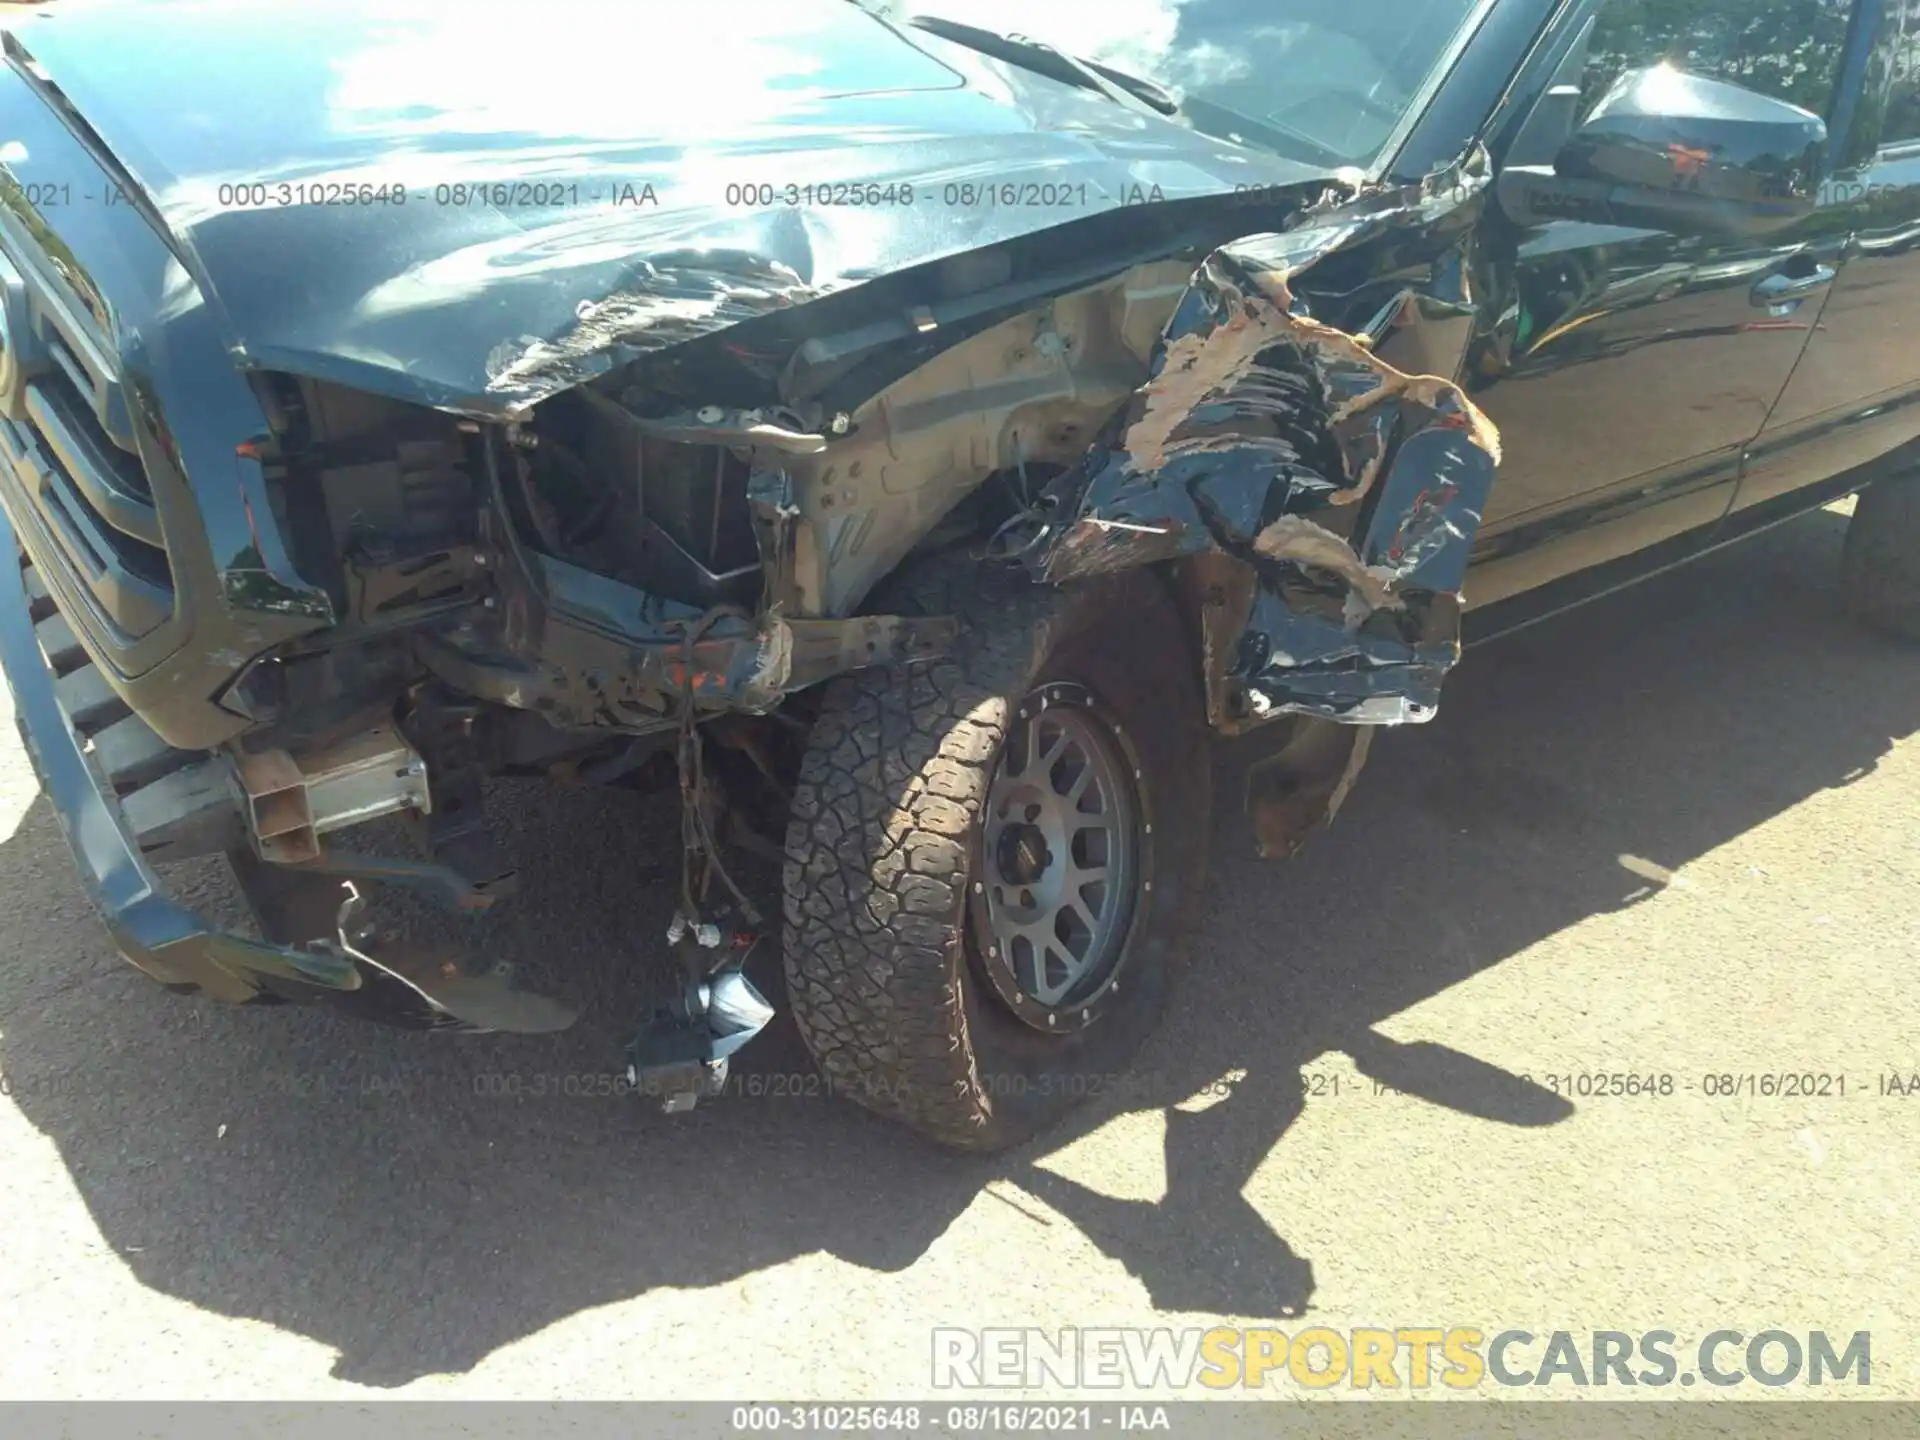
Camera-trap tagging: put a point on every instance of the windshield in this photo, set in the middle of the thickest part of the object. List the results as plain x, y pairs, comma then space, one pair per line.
1324, 81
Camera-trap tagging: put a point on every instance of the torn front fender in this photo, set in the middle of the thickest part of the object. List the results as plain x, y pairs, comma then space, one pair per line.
1323, 502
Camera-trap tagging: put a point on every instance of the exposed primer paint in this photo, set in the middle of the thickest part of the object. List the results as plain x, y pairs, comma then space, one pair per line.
1198, 369
1296, 538
1350, 490
674, 300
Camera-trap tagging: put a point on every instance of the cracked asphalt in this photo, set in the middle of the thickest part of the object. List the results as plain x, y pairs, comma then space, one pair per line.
1672, 835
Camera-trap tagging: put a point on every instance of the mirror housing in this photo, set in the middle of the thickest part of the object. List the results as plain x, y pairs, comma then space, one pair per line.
1666, 150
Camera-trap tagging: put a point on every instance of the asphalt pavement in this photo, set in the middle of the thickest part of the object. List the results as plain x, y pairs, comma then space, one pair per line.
1672, 835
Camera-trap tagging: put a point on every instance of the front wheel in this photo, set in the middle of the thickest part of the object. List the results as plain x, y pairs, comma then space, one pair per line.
993, 860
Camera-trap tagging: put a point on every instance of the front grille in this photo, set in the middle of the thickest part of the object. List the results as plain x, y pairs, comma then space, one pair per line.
69, 443
175, 803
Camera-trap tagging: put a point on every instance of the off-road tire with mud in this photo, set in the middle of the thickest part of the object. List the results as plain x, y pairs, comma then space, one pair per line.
1880, 563
883, 962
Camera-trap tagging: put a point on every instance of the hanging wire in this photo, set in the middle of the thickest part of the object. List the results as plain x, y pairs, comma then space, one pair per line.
697, 842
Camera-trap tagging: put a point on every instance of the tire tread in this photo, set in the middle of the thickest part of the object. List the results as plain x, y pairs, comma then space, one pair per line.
877, 860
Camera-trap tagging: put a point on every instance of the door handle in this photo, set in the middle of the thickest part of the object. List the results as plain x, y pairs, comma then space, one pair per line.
1778, 289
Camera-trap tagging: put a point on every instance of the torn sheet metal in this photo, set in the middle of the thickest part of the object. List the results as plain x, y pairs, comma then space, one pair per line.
1341, 495
1297, 791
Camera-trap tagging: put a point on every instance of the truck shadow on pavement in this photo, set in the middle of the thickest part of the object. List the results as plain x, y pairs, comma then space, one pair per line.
417, 1202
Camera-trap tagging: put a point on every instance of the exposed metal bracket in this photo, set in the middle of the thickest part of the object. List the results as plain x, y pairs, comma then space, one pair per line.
293, 800
437, 881
449, 995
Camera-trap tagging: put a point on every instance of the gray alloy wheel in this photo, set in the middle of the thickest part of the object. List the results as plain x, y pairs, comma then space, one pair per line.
1063, 854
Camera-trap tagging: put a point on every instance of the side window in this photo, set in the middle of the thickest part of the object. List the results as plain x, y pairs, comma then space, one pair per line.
1785, 49
1890, 107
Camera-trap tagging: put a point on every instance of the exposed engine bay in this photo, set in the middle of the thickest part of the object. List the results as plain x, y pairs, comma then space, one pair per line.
558, 591
644, 578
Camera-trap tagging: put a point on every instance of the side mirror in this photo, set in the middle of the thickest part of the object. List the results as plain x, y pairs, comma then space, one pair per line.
1666, 150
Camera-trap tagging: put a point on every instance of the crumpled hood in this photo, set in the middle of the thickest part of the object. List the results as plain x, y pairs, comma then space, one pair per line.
634, 175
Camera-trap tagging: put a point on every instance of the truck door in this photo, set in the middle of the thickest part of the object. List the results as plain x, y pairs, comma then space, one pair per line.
1629, 369
1856, 394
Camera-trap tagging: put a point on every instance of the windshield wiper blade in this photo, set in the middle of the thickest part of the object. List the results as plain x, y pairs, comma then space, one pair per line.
1132, 91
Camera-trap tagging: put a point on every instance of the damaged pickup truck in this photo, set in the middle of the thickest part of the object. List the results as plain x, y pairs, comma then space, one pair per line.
915, 433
